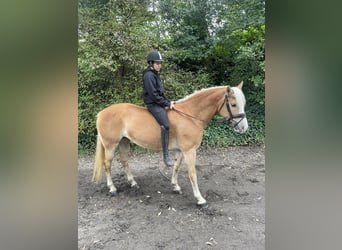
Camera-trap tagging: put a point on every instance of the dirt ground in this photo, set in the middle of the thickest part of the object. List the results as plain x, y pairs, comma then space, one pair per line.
232, 180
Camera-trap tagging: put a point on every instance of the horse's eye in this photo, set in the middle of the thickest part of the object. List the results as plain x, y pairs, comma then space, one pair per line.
233, 105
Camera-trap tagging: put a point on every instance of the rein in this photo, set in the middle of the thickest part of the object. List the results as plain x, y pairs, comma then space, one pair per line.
229, 120
185, 114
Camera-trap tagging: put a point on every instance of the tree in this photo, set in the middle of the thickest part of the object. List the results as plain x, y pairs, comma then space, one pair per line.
114, 37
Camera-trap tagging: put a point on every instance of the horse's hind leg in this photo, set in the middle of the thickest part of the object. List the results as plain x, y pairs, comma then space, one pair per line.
124, 148
109, 155
174, 180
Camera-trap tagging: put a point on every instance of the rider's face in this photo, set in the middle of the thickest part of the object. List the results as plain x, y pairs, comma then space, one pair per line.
157, 66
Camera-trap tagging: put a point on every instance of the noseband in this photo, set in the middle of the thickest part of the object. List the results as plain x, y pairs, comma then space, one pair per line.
231, 117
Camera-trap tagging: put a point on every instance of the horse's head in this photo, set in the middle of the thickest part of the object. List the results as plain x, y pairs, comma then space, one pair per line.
234, 108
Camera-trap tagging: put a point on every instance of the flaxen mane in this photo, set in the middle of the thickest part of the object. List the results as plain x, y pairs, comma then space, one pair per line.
199, 93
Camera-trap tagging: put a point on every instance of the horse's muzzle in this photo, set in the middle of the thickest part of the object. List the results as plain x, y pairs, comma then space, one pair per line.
239, 126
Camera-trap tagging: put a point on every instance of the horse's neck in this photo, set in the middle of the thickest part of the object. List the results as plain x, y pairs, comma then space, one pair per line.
204, 106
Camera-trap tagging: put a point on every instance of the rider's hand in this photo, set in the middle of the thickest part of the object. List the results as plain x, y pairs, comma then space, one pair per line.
172, 106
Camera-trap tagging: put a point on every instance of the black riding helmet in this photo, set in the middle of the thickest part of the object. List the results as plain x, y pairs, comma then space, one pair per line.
154, 56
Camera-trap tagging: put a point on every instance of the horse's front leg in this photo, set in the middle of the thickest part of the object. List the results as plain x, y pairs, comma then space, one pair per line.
190, 161
174, 180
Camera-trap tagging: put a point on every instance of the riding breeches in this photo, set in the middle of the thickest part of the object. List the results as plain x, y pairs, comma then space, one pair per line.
160, 115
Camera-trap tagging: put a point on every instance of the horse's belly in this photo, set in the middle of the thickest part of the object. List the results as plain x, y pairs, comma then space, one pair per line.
145, 137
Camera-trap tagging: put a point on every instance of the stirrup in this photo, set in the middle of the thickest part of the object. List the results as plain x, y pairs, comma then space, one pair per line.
168, 162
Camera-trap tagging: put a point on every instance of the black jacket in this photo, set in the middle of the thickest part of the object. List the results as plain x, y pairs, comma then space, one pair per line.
153, 90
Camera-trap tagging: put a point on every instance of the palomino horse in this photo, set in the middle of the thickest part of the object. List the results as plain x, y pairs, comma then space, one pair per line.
120, 123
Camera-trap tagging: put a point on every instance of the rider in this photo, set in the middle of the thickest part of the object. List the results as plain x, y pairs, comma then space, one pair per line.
155, 99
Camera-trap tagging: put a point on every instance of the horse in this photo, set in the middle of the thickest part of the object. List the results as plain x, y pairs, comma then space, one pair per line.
121, 123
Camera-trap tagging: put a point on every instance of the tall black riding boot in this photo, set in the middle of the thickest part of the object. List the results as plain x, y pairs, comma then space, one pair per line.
165, 144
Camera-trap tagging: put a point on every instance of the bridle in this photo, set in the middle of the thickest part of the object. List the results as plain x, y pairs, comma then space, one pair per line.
231, 117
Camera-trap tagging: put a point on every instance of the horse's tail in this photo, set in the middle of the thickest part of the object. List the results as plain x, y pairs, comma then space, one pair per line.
99, 160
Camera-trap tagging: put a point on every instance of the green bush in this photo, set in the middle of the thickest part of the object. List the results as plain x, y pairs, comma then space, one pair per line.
219, 133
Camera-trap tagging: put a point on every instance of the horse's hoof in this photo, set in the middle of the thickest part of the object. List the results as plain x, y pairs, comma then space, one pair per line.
113, 193
178, 191
203, 205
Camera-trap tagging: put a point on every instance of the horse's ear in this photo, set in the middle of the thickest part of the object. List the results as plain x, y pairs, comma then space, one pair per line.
229, 90
240, 85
